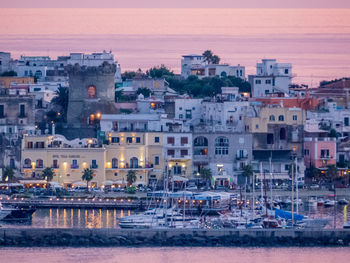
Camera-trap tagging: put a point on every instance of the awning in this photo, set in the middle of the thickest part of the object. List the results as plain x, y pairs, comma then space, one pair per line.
109, 182
79, 183
32, 181
11, 184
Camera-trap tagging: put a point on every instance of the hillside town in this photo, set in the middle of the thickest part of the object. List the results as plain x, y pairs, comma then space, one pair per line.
211, 125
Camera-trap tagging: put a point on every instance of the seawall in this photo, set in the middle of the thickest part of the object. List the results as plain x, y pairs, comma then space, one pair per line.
172, 237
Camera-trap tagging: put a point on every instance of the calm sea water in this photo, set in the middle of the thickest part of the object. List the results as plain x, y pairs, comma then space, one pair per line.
174, 255
316, 41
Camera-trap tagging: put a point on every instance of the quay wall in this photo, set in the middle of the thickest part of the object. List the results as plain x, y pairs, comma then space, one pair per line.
171, 237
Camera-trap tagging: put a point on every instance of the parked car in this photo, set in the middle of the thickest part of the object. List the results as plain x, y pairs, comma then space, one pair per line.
314, 187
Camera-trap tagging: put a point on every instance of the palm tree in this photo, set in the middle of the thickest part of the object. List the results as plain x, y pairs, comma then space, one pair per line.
210, 57
8, 175
87, 176
206, 174
48, 174
131, 177
61, 99
247, 173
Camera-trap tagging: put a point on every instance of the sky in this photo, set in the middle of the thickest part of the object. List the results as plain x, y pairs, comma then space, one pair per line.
176, 3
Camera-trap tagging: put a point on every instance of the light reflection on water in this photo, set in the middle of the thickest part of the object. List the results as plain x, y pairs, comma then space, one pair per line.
108, 218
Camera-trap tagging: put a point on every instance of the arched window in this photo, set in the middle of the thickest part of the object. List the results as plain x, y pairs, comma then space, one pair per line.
134, 162
39, 163
114, 163
221, 146
283, 134
27, 163
272, 117
91, 92
200, 141
281, 118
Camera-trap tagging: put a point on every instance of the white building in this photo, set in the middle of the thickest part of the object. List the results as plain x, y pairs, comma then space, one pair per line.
188, 110
195, 65
271, 77
5, 59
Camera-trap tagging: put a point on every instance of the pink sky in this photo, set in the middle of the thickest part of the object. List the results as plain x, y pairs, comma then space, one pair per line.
179, 3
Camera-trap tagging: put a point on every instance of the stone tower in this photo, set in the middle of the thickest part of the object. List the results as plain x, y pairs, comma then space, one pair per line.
91, 92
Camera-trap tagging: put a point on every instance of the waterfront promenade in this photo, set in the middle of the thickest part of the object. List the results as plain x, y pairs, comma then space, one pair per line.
78, 237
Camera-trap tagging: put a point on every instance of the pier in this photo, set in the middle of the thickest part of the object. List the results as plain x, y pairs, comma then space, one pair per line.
77, 237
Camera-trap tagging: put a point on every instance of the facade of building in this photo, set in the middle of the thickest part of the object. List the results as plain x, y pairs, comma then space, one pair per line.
5, 59
271, 77
7, 82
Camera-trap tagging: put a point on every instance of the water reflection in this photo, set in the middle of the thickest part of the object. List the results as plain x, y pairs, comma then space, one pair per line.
63, 218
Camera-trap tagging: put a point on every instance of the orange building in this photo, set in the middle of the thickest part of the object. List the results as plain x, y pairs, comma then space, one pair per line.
6, 82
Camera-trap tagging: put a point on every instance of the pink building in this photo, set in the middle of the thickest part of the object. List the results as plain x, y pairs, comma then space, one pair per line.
320, 152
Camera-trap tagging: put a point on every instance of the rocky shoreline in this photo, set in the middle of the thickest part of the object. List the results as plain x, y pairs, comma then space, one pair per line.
51, 237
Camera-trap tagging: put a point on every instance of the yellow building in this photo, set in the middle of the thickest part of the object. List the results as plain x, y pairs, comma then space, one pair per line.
141, 152
7, 81
275, 115
67, 159
137, 151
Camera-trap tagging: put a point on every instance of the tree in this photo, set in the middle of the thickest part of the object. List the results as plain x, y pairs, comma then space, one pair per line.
312, 172
210, 58
159, 72
8, 175
206, 174
331, 174
131, 177
10, 73
48, 174
87, 176
247, 173
144, 91
332, 133
61, 100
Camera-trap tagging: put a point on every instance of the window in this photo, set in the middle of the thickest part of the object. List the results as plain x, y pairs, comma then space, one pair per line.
180, 108
94, 164
269, 139
12, 163
91, 92
281, 118
283, 134
272, 117
267, 91
346, 121
27, 163
286, 167
258, 81
286, 71
74, 164
114, 163
221, 146
188, 114
55, 164
115, 174
324, 153
156, 139
184, 153
184, 140
39, 163
156, 160
138, 140
257, 126
295, 117
306, 152
29, 145
39, 145
171, 140
115, 140
177, 169
181, 116
134, 162
22, 111
200, 141
171, 153
268, 81
2, 111
129, 139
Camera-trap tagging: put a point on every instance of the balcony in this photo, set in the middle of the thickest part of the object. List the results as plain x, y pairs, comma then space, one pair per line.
55, 166
179, 157
74, 166
27, 166
241, 157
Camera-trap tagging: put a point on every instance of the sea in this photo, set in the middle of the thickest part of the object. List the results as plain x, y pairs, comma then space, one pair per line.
316, 41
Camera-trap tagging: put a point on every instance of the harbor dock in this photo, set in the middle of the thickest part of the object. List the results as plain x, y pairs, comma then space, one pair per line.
77, 237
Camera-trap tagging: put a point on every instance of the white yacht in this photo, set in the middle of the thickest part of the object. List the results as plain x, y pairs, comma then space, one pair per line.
4, 212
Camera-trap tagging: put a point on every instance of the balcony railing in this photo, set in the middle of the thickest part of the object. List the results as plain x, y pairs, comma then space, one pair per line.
27, 166
241, 157
93, 166
55, 166
74, 166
